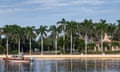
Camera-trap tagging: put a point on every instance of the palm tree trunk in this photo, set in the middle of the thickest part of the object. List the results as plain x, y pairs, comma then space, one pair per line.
56, 45
85, 43
64, 39
7, 46
19, 47
30, 46
102, 44
71, 43
41, 44
64, 43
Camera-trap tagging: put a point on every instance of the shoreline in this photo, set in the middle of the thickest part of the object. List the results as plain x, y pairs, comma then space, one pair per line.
82, 56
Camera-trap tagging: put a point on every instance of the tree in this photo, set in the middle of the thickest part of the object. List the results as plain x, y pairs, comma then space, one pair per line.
62, 25
6, 31
117, 32
16, 35
42, 32
87, 29
1, 47
71, 29
28, 32
101, 29
55, 30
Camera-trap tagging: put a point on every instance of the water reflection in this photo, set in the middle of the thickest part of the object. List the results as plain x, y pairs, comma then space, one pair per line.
16, 67
56, 66
70, 65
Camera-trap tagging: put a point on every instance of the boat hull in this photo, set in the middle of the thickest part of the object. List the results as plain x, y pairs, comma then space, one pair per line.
16, 60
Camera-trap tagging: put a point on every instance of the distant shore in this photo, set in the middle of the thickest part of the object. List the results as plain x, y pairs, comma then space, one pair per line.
99, 56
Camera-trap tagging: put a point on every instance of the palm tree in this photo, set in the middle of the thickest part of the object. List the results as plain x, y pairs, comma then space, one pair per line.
111, 29
30, 36
12, 33
63, 28
1, 37
101, 28
71, 27
55, 30
87, 27
7, 32
17, 35
42, 32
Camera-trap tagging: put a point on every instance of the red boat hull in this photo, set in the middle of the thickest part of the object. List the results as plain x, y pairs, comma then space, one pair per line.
16, 59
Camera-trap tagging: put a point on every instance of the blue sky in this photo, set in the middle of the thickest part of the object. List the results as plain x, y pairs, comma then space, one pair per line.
48, 12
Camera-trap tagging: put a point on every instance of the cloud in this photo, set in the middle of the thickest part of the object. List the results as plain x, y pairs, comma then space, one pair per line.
41, 1
86, 11
10, 10
90, 2
46, 3
31, 5
49, 4
64, 2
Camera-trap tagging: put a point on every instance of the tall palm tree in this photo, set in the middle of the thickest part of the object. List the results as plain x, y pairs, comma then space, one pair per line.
16, 34
30, 36
7, 32
87, 27
71, 27
101, 28
1, 37
42, 32
55, 30
62, 25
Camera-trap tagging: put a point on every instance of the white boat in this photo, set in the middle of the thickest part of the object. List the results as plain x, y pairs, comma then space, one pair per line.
16, 59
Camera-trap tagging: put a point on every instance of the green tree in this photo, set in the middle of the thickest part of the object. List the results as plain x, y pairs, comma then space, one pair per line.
71, 29
15, 32
62, 25
101, 29
55, 31
7, 32
117, 32
87, 29
28, 33
42, 32
1, 47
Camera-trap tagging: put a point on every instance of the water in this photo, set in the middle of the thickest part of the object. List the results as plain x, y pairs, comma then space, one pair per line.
70, 65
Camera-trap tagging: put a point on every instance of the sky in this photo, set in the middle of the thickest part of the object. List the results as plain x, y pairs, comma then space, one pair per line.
48, 12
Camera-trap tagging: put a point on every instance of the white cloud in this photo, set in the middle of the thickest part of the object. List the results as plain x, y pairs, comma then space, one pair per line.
43, 8
48, 4
41, 1
91, 2
64, 3
85, 11
9, 10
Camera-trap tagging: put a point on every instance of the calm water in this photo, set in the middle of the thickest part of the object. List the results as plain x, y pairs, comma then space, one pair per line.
62, 66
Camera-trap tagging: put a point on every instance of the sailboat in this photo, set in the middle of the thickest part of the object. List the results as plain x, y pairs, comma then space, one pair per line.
15, 58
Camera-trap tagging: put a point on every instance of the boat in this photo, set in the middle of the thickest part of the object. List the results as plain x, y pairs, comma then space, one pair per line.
16, 59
